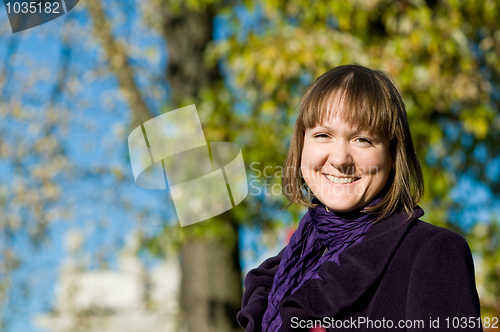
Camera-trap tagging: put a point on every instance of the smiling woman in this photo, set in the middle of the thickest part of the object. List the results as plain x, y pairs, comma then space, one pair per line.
344, 167
360, 255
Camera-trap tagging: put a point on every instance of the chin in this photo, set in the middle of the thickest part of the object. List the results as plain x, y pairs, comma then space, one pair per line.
342, 206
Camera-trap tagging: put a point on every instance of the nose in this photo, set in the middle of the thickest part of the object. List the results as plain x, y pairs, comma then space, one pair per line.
340, 157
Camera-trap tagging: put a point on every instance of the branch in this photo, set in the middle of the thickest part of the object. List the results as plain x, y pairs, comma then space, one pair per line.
118, 63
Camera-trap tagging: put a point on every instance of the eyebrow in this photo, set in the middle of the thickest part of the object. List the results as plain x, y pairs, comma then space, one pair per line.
372, 135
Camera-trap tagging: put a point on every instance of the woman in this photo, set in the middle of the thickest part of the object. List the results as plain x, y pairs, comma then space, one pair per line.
361, 259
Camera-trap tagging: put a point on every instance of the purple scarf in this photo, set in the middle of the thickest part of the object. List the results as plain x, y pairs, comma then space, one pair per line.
319, 229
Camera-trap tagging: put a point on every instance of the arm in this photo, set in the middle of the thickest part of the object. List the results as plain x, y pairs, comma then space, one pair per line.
258, 283
442, 282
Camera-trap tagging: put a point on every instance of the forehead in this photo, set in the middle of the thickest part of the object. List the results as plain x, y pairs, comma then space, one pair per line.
343, 108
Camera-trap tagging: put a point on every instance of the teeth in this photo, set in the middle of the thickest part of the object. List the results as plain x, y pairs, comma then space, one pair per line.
335, 179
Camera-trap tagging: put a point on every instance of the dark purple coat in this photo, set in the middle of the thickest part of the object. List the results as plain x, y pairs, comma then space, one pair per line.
402, 270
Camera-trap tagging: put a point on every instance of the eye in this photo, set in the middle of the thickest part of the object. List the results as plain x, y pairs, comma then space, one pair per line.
363, 140
320, 136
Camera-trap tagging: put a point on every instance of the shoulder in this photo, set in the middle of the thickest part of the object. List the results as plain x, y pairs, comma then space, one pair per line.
441, 279
438, 251
437, 239
426, 247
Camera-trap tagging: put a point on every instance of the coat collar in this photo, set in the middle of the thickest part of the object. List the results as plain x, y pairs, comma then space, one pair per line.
361, 267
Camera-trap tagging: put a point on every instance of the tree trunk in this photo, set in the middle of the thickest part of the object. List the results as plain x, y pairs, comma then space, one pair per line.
211, 285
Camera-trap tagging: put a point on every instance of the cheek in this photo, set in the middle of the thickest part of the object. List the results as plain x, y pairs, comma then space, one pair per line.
311, 162
307, 169
307, 158
372, 164
310, 158
384, 168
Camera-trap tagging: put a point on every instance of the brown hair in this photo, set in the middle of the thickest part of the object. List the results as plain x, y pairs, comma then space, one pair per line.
370, 100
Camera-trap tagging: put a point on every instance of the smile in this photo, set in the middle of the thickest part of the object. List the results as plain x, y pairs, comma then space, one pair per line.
340, 180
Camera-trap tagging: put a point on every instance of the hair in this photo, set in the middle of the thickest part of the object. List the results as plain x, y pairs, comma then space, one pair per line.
370, 100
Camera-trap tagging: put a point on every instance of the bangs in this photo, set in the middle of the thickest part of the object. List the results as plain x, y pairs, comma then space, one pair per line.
356, 98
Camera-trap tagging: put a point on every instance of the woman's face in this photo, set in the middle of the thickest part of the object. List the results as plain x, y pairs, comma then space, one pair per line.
344, 167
